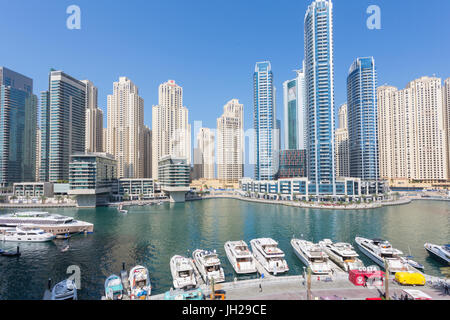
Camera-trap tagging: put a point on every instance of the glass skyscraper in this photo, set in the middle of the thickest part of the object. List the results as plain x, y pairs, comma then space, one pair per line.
64, 116
18, 122
319, 81
265, 123
363, 119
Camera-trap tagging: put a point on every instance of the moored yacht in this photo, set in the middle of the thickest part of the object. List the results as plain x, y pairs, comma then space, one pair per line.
114, 288
208, 264
26, 235
343, 254
65, 290
183, 273
381, 250
268, 254
140, 286
240, 257
312, 255
441, 252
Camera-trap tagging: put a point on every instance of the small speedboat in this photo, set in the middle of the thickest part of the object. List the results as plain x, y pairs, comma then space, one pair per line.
413, 263
440, 252
65, 249
114, 288
65, 290
140, 286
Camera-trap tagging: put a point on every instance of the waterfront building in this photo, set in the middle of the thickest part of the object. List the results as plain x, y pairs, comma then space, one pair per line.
94, 119
33, 190
413, 139
63, 125
293, 164
341, 145
294, 113
319, 83
265, 123
91, 177
126, 128
230, 142
363, 119
105, 139
171, 129
136, 189
204, 159
147, 152
174, 177
18, 122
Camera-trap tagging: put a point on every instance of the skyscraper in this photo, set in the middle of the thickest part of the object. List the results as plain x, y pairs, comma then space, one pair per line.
171, 129
341, 145
94, 119
446, 90
206, 160
38, 155
147, 152
230, 142
264, 117
18, 121
63, 125
294, 113
363, 119
319, 82
126, 128
413, 139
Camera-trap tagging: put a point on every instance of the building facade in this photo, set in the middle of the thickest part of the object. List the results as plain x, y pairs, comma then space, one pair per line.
265, 123
230, 142
18, 122
293, 164
91, 177
174, 177
341, 145
126, 128
294, 113
204, 163
147, 152
412, 135
94, 119
447, 118
64, 127
319, 82
363, 119
170, 125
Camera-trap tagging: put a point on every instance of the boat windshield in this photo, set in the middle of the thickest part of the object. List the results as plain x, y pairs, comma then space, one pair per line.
212, 268
241, 260
140, 284
184, 274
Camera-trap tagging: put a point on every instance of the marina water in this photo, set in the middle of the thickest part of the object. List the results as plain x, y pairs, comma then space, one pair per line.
151, 235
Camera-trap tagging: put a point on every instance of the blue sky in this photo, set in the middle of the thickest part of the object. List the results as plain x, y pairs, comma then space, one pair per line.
210, 47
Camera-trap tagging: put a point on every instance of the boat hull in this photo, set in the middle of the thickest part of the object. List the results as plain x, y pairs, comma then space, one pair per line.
436, 255
233, 263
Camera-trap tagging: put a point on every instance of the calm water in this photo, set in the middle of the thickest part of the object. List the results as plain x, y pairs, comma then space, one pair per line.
152, 235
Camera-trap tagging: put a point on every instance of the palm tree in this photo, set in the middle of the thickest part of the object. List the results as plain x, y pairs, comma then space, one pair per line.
141, 195
14, 197
58, 198
43, 198
126, 196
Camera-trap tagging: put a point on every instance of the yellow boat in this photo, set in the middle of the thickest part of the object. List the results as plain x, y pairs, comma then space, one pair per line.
410, 278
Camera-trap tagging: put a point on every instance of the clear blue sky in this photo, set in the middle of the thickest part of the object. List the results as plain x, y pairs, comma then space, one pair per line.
210, 47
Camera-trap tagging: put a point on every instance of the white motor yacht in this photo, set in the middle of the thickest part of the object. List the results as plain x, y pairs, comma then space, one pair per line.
26, 235
183, 274
240, 257
343, 254
312, 255
65, 290
208, 264
441, 252
268, 254
381, 250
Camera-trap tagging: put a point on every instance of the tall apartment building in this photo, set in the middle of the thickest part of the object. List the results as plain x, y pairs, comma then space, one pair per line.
294, 113
126, 128
412, 131
319, 82
38, 155
147, 152
230, 142
18, 121
94, 119
63, 125
341, 145
204, 164
363, 119
265, 123
170, 125
447, 109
